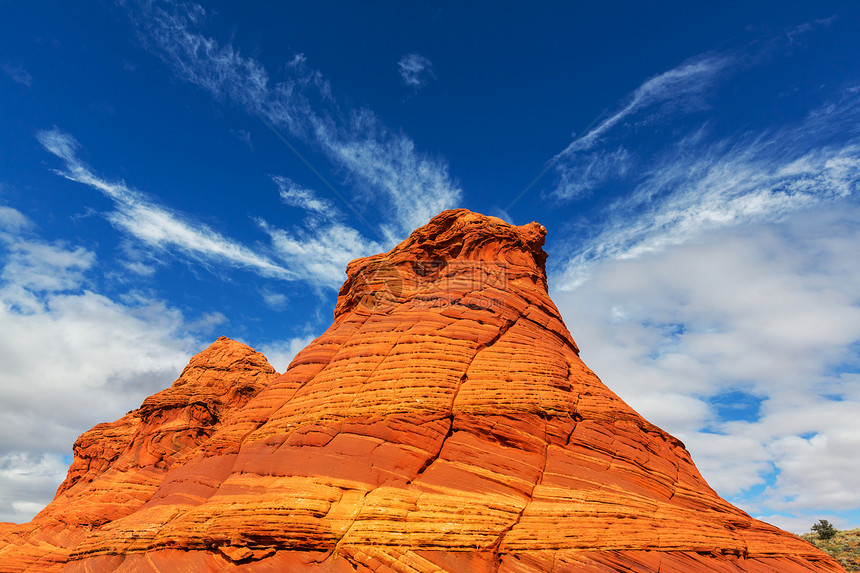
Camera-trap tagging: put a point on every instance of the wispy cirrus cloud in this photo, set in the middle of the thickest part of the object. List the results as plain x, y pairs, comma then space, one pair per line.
295, 195
700, 183
589, 161
323, 245
417, 187
415, 70
316, 251
408, 187
11, 220
18, 74
678, 87
154, 225
321, 249
608, 153
700, 175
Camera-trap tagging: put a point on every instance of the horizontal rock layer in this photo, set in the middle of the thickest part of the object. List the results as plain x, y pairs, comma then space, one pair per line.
444, 422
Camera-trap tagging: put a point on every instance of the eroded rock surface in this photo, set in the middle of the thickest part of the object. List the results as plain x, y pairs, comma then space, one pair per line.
444, 422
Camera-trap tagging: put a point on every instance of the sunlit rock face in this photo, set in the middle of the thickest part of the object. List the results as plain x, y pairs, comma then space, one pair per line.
444, 422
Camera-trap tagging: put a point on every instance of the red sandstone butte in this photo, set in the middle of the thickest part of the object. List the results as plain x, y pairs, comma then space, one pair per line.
444, 422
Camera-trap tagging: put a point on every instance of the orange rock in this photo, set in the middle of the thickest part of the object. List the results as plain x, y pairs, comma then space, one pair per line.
118, 466
444, 422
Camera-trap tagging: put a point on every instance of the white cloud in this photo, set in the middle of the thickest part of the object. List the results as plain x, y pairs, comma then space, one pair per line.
152, 224
415, 70
699, 184
139, 268
11, 220
680, 87
207, 324
39, 267
821, 471
317, 252
407, 186
281, 353
274, 300
27, 483
320, 251
61, 345
768, 310
295, 195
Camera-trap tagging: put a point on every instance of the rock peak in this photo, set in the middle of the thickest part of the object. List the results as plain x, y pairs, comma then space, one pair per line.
460, 233
217, 382
456, 244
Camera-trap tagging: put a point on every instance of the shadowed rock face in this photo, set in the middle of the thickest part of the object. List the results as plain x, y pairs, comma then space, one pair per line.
444, 422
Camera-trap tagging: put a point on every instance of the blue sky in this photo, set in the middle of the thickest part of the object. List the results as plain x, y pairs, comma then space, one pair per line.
171, 173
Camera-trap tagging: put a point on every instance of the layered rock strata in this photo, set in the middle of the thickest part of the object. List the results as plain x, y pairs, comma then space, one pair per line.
444, 422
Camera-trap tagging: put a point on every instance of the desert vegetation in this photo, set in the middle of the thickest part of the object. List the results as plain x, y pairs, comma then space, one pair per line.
844, 546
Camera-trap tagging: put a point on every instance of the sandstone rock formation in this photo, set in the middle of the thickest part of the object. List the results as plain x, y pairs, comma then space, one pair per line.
444, 422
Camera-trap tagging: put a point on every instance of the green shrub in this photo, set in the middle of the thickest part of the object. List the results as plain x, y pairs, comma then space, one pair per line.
824, 529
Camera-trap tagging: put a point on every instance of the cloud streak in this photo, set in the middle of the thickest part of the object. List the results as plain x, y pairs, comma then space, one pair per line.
607, 153
295, 195
673, 88
408, 186
699, 183
316, 251
320, 250
152, 224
